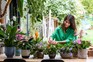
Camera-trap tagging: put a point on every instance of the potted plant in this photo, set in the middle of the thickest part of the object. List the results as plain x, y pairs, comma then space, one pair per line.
25, 48
82, 46
9, 36
38, 46
19, 38
51, 50
38, 50
67, 50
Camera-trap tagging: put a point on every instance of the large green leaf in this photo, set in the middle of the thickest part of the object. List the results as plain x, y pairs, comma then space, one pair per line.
2, 34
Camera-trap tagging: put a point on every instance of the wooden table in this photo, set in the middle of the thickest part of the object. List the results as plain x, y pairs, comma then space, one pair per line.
89, 59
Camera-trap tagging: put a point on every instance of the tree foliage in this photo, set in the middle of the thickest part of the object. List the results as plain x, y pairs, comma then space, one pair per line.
60, 8
88, 5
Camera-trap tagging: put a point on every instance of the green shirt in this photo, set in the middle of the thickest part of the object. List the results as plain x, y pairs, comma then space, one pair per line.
60, 35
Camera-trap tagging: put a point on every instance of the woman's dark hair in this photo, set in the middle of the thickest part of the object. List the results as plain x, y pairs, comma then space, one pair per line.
71, 19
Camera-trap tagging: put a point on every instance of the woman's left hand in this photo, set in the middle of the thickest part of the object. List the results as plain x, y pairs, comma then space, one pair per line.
50, 41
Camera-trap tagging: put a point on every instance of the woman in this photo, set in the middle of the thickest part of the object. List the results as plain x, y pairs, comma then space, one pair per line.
65, 32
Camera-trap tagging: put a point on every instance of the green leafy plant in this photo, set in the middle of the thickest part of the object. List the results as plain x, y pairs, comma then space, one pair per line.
37, 45
25, 45
19, 38
51, 48
8, 35
70, 47
82, 44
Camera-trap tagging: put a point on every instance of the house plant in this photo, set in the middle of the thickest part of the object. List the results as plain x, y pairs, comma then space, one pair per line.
68, 50
82, 46
19, 38
38, 50
25, 46
51, 50
9, 36
38, 46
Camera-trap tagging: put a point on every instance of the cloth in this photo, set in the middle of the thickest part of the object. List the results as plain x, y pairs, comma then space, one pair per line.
60, 35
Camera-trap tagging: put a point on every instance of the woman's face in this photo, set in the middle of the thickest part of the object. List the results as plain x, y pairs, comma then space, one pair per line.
66, 23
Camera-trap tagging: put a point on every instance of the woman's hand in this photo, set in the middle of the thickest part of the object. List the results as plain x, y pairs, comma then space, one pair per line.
50, 41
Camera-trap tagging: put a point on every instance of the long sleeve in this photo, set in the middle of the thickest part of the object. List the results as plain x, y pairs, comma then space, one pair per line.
60, 35
55, 35
71, 37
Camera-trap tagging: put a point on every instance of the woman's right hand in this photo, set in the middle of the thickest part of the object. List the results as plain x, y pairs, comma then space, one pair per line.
50, 41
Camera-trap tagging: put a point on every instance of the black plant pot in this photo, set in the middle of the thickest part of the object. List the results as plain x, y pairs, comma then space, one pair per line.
25, 56
39, 54
9, 52
52, 55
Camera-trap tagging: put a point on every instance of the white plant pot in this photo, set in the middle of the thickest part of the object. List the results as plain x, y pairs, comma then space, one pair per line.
25, 53
82, 53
